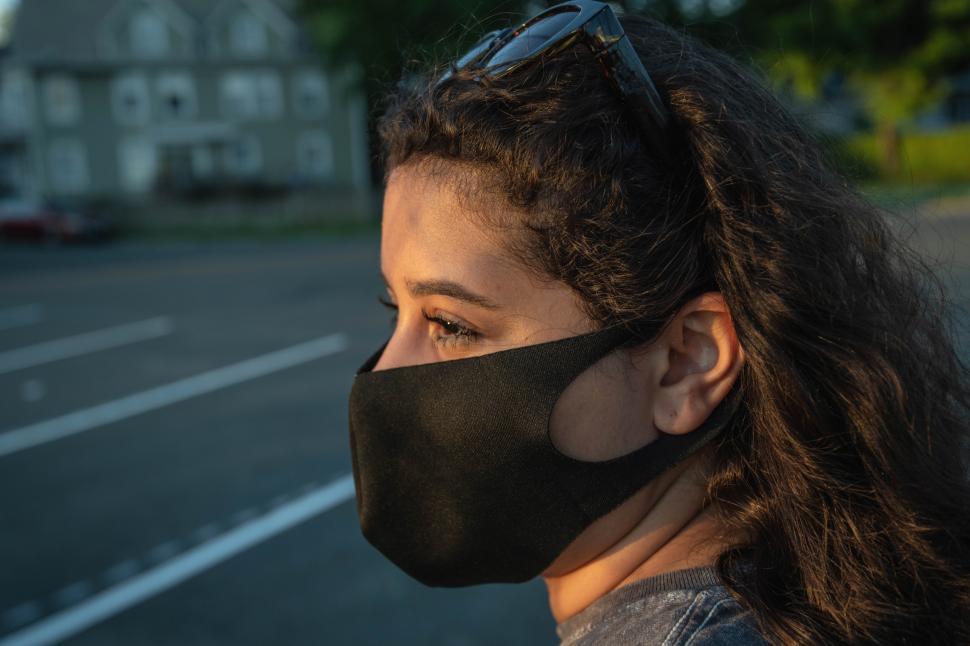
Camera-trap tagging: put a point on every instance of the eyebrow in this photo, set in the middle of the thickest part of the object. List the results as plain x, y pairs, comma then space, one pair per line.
447, 288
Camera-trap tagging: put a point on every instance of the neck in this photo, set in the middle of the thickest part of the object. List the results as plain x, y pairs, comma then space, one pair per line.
675, 533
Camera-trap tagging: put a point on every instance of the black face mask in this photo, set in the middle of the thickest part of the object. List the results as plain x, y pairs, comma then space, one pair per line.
457, 479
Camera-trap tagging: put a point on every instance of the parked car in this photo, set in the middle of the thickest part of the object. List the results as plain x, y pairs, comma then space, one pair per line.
24, 219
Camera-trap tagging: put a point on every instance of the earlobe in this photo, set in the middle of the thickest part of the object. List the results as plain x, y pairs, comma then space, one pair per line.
703, 359
680, 408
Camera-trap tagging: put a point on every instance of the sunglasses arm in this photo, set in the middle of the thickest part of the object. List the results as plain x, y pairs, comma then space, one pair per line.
626, 71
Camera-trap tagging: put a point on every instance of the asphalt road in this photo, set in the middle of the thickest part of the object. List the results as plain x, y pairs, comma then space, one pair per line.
182, 479
205, 498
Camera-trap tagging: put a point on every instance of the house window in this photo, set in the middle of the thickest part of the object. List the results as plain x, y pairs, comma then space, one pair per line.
247, 35
176, 94
17, 91
130, 100
310, 94
137, 164
62, 99
314, 154
239, 96
269, 94
252, 95
149, 35
243, 157
68, 166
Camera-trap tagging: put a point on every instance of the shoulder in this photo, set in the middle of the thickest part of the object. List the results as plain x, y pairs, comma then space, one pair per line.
707, 616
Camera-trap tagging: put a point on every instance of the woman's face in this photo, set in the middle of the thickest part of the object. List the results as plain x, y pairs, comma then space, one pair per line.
458, 293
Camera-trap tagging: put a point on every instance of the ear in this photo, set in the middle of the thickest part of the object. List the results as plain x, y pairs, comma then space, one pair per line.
695, 363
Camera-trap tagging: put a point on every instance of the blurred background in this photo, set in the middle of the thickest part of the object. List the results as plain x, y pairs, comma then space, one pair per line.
189, 231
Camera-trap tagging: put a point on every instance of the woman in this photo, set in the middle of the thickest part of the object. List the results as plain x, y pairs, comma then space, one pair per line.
648, 346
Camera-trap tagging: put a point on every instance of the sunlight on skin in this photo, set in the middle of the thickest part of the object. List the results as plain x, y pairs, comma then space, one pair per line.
458, 294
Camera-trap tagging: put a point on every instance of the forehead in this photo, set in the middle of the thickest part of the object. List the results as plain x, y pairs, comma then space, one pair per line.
426, 226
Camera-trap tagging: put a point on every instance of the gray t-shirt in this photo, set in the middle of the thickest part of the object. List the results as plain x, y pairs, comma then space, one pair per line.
680, 608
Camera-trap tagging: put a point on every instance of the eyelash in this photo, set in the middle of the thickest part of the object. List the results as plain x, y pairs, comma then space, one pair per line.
457, 334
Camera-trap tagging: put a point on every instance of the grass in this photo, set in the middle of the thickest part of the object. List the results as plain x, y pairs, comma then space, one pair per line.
889, 193
940, 157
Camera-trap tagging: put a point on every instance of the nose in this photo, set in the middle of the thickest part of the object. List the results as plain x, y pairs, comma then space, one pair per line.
405, 349
394, 356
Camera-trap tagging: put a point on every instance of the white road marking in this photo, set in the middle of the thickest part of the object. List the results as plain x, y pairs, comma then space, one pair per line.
26, 437
74, 346
12, 317
114, 600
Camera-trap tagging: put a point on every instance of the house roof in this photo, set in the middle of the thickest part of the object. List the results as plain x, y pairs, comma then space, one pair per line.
55, 30
67, 32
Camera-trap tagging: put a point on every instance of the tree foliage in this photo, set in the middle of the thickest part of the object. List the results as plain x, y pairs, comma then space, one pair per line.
895, 55
384, 37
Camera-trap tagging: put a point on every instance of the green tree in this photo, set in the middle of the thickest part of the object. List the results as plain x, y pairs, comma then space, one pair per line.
383, 38
894, 54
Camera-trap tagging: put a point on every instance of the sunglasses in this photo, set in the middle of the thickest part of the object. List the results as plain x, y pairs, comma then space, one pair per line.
593, 24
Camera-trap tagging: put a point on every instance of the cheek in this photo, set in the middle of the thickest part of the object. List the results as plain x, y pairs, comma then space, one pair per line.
605, 413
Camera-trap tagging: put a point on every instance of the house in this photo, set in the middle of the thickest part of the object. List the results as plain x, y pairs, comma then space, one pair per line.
129, 99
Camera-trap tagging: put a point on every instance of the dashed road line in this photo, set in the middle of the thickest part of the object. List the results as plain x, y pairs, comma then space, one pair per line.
20, 316
87, 343
113, 600
26, 437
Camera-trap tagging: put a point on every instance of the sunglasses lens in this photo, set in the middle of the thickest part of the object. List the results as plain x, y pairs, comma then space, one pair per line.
480, 47
533, 37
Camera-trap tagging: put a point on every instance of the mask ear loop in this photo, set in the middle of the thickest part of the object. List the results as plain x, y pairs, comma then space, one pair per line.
609, 340
719, 419
640, 466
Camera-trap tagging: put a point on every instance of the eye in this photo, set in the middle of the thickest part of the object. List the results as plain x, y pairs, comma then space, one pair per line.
455, 334
448, 332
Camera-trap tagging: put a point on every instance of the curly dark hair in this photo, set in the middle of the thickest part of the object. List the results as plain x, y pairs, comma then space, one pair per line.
846, 465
